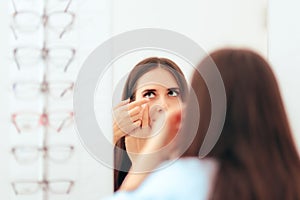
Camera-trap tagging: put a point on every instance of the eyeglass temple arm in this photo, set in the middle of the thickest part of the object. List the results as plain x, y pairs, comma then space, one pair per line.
63, 32
70, 186
67, 89
70, 60
68, 5
13, 31
69, 25
65, 29
15, 123
14, 5
63, 122
16, 59
14, 188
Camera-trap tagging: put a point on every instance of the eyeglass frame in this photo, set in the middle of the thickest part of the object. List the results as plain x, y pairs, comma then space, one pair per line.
42, 185
43, 119
44, 86
44, 52
43, 149
45, 17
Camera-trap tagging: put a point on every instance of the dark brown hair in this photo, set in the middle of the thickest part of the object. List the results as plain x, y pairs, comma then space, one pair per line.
256, 154
121, 160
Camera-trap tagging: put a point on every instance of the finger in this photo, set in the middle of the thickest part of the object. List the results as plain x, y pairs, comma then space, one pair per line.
136, 117
137, 123
172, 125
122, 103
135, 111
145, 116
137, 103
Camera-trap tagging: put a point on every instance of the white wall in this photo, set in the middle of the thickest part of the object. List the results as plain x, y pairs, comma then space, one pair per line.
284, 54
212, 24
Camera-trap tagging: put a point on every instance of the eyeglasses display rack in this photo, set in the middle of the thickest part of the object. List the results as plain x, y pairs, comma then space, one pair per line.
38, 63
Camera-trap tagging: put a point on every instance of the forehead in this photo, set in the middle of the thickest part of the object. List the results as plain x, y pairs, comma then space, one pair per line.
157, 76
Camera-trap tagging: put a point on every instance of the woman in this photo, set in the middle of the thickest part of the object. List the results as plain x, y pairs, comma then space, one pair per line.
255, 156
153, 83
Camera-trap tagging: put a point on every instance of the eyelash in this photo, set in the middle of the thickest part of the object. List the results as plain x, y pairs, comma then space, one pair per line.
148, 94
153, 93
176, 92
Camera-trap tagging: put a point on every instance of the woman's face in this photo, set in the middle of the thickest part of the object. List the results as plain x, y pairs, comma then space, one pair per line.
161, 88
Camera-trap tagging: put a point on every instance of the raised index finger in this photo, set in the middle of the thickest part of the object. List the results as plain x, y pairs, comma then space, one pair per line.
145, 117
137, 103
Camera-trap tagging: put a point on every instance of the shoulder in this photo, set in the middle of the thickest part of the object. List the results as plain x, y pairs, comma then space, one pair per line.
187, 172
186, 167
185, 178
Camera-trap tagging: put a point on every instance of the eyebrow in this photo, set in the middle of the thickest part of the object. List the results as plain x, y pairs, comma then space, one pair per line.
175, 88
148, 90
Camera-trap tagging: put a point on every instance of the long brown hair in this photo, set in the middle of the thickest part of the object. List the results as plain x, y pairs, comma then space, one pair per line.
121, 160
255, 151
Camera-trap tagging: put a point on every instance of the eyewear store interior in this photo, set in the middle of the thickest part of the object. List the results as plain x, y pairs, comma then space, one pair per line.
44, 44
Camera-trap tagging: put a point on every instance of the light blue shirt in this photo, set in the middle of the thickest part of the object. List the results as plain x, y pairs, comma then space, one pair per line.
186, 178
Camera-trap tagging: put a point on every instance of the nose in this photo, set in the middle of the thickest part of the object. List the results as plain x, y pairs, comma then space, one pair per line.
162, 103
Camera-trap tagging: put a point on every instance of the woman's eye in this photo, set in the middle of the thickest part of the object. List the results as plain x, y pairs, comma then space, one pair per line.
149, 95
173, 93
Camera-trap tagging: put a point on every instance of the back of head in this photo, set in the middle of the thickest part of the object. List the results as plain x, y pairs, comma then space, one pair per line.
255, 151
